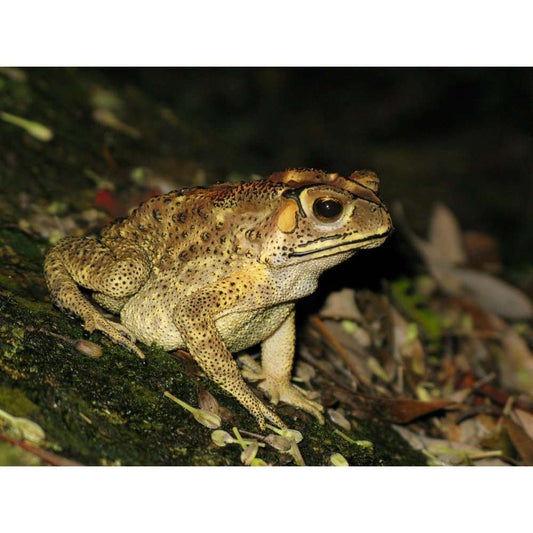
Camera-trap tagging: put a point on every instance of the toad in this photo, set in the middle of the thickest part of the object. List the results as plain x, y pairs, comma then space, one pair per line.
217, 270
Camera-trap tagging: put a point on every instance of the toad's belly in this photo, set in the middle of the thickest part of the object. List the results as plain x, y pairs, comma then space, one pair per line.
152, 323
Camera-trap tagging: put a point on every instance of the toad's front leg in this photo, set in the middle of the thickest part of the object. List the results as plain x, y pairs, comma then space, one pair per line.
277, 354
195, 319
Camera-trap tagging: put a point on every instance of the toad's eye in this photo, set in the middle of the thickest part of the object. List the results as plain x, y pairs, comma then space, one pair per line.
327, 209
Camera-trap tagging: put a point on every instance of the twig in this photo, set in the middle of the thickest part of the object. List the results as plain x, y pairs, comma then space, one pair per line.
308, 358
50, 457
336, 345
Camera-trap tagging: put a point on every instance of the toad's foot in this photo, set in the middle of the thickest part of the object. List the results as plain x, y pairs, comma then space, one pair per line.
262, 413
288, 393
118, 333
281, 390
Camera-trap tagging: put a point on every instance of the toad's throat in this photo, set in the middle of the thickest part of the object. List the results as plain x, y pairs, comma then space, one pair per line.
299, 253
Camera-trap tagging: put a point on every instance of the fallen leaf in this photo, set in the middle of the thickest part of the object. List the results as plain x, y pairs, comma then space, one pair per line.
304, 372
341, 305
443, 452
445, 234
337, 416
208, 402
21, 428
515, 362
494, 294
439, 266
88, 348
475, 431
278, 442
338, 459
526, 421
520, 439
405, 410
248, 455
205, 418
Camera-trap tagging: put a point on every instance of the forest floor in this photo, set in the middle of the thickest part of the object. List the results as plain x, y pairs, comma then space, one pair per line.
433, 366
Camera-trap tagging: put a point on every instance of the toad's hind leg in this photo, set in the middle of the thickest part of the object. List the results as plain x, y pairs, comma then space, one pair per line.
114, 274
114, 305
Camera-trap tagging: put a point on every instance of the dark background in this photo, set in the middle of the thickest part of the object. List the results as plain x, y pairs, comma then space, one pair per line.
462, 136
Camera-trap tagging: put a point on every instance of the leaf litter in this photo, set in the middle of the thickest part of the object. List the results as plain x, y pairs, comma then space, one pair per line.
445, 356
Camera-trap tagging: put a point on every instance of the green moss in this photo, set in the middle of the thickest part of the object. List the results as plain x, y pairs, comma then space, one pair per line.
11, 455
22, 244
16, 402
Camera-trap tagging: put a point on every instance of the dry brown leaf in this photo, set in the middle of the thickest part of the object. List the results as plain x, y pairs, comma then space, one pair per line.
438, 264
208, 402
516, 362
494, 294
337, 416
305, 372
341, 305
441, 268
444, 452
405, 410
491, 293
520, 439
526, 421
473, 431
445, 234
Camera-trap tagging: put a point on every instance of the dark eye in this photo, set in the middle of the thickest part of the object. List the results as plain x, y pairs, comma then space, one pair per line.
327, 209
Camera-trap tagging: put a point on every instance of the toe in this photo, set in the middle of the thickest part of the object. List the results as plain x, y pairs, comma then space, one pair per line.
119, 334
287, 393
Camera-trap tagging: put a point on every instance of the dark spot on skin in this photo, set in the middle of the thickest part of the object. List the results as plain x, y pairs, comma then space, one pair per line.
202, 213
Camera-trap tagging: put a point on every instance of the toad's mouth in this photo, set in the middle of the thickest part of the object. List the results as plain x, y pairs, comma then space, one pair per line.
370, 240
